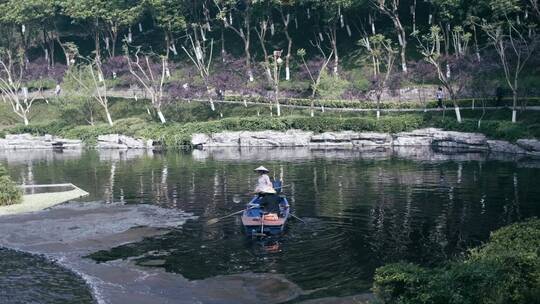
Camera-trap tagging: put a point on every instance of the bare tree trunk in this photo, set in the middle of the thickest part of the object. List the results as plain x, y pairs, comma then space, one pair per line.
403, 44
514, 106
161, 116
286, 21
109, 118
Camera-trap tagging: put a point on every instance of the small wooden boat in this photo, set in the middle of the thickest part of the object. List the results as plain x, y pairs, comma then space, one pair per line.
258, 223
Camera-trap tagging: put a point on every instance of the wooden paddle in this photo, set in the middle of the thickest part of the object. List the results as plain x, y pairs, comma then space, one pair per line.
215, 220
296, 217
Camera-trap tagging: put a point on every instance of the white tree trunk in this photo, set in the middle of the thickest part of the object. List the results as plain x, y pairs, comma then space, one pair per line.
458, 113
25, 120
109, 118
278, 109
514, 115
287, 73
378, 114
161, 117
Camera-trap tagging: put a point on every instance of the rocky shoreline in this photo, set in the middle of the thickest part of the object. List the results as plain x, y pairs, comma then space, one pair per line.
437, 139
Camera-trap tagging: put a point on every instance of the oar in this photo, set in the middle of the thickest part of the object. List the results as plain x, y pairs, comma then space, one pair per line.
215, 220
296, 217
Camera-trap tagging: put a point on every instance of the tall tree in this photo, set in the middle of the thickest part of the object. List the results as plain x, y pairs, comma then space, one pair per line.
382, 54
89, 79
35, 20
119, 15
229, 12
168, 15
391, 9
12, 85
430, 46
513, 40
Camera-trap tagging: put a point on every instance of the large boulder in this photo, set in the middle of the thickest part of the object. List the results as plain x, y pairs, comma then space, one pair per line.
334, 137
291, 138
458, 139
28, 141
502, 146
117, 141
226, 139
368, 139
412, 139
531, 145
199, 139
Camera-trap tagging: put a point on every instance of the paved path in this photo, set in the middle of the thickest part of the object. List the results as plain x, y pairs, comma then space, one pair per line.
138, 94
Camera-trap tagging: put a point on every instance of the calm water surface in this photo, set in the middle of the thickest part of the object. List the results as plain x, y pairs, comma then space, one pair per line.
359, 213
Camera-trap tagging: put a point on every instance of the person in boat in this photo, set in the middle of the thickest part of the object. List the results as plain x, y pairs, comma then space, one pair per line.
263, 182
270, 201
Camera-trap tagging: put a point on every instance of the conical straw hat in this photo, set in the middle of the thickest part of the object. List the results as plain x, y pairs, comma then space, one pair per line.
261, 168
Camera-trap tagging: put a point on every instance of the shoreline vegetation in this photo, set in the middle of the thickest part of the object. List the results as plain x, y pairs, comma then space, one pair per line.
136, 120
506, 269
10, 194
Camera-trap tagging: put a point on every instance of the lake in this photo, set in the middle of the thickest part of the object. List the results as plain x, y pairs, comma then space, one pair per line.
360, 210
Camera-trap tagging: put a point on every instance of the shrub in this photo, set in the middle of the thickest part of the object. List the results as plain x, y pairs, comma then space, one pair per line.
504, 270
9, 193
332, 87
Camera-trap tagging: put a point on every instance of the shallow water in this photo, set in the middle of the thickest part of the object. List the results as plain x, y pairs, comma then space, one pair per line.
361, 210
26, 278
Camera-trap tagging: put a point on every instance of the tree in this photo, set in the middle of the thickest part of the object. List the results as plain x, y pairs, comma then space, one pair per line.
88, 13
120, 14
430, 47
12, 75
36, 21
315, 78
331, 14
513, 41
150, 71
286, 19
244, 10
90, 81
169, 17
200, 53
382, 54
391, 9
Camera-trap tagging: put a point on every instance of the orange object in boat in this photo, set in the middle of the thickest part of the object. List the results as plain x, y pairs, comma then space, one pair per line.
271, 217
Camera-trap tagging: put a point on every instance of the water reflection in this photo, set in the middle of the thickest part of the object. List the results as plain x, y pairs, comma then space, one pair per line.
362, 208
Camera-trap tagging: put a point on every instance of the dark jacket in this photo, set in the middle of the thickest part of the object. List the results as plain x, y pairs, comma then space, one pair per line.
270, 203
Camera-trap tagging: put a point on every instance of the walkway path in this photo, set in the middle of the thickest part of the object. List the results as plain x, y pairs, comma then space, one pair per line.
141, 94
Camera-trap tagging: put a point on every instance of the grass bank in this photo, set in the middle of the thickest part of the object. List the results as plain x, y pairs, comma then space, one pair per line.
504, 270
184, 119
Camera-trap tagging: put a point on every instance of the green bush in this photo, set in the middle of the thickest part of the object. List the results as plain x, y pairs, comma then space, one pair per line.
332, 87
504, 270
9, 193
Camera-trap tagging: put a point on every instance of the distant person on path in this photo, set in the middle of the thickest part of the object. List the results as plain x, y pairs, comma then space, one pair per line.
440, 96
57, 90
499, 94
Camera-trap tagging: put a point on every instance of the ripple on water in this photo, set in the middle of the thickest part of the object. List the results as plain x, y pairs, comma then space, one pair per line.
27, 278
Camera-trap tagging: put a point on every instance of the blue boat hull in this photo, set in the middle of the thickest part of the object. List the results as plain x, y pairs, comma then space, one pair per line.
254, 225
